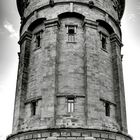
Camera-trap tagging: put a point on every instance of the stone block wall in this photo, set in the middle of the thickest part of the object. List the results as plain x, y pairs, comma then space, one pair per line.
70, 134
109, 6
59, 69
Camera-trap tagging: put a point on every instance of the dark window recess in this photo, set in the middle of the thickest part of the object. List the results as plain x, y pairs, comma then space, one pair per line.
71, 31
104, 43
70, 105
33, 108
107, 109
38, 40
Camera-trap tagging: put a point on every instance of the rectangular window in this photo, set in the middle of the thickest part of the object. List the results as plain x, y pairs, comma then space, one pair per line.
70, 105
107, 109
33, 108
71, 31
103, 37
38, 37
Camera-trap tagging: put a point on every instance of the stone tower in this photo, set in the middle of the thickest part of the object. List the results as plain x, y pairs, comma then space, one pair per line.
70, 80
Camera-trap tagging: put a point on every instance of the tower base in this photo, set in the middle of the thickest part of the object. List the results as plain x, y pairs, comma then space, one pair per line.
69, 134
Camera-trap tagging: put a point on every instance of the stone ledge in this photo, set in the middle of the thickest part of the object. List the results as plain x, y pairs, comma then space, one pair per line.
69, 134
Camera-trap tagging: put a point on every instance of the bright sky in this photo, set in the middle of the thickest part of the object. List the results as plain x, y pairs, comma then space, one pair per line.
9, 27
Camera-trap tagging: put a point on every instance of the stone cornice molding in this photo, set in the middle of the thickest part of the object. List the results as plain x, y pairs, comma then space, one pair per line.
114, 38
26, 35
90, 24
33, 99
51, 23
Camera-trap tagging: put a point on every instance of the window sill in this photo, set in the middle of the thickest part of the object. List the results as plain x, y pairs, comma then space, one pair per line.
37, 48
71, 42
104, 50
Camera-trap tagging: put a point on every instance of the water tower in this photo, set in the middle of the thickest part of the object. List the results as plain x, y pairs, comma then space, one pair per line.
70, 80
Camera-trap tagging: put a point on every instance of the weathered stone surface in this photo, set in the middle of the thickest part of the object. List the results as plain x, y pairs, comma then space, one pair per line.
70, 69
45, 134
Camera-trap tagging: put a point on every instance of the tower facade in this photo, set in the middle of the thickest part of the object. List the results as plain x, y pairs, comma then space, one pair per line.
70, 80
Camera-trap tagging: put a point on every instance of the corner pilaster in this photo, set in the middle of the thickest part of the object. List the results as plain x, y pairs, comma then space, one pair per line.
118, 82
90, 33
52, 27
22, 80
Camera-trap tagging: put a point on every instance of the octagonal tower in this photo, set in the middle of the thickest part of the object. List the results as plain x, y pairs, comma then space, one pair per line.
70, 80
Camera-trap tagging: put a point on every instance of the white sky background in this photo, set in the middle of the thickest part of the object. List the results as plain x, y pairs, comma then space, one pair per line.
9, 27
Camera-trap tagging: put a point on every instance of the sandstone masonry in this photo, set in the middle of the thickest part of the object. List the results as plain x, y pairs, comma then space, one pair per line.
70, 80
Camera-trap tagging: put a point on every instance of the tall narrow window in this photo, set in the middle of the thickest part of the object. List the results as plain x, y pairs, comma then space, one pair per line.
70, 105
104, 37
104, 42
107, 109
38, 38
71, 31
33, 108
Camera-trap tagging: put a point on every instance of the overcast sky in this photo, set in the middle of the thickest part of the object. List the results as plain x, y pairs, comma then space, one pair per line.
9, 28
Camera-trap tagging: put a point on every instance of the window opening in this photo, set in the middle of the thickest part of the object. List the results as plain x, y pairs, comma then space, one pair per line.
70, 105
104, 42
38, 40
33, 108
107, 109
71, 31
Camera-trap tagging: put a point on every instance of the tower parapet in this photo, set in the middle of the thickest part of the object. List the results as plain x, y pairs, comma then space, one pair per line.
70, 81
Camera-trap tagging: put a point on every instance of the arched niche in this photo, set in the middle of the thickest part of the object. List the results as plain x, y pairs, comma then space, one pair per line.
71, 14
106, 26
70, 24
36, 23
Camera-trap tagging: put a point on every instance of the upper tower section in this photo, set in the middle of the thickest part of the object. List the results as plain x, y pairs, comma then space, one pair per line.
52, 8
109, 6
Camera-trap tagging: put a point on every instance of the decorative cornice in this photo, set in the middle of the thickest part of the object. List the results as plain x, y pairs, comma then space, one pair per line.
33, 99
114, 38
26, 35
90, 23
51, 23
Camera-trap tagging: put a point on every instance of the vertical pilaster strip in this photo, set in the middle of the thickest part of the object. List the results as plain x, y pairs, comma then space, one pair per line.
54, 24
56, 72
90, 28
118, 82
85, 75
21, 87
71, 7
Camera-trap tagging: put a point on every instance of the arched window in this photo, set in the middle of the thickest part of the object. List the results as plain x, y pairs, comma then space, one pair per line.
105, 30
36, 29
